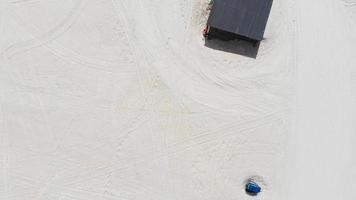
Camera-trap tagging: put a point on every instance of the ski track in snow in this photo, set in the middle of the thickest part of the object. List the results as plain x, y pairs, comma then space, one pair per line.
120, 99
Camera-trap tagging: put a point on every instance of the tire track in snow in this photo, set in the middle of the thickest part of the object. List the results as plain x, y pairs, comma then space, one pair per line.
184, 70
50, 35
147, 95
183, 146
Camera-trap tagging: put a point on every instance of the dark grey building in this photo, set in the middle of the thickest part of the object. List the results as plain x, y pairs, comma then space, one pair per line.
244, 18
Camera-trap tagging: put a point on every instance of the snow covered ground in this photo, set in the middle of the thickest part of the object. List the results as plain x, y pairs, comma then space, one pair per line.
122, 99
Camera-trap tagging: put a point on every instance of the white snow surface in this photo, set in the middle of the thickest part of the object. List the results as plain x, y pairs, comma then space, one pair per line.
121, 99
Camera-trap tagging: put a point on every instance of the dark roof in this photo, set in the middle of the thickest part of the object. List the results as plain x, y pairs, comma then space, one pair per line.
247, 18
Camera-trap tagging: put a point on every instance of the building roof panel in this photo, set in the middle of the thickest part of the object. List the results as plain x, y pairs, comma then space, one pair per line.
247, 18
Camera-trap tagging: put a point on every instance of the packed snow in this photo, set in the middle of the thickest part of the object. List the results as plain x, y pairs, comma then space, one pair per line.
124, 99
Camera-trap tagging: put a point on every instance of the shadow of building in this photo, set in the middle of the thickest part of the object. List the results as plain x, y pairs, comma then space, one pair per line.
232, 43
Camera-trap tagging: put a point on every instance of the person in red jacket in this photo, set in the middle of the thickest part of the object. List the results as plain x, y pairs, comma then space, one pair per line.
206, 32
